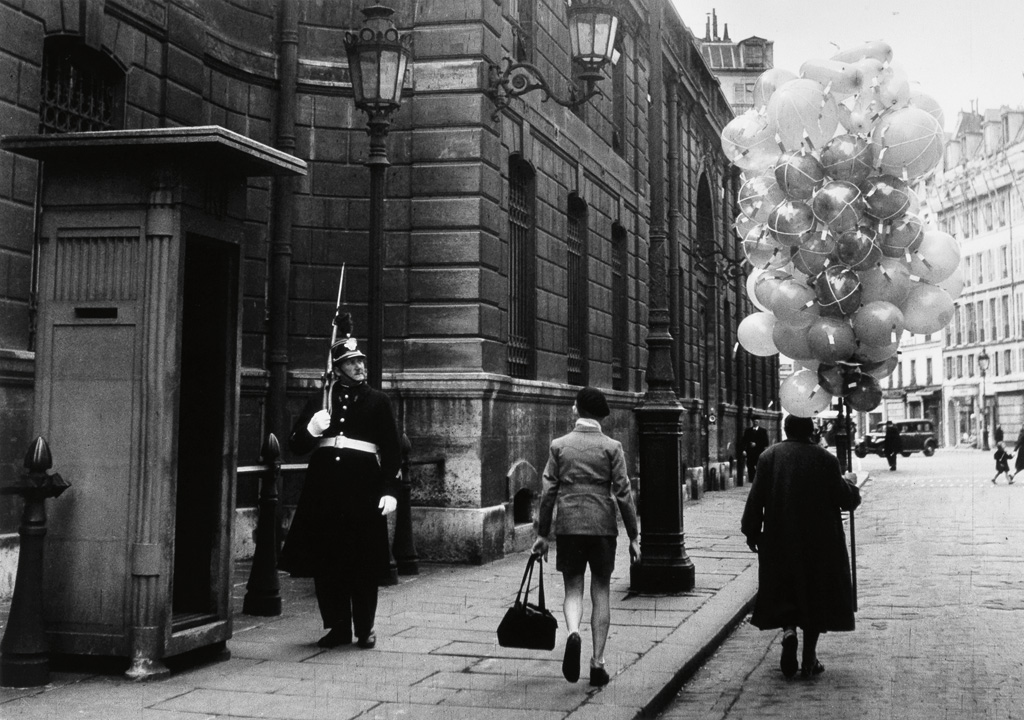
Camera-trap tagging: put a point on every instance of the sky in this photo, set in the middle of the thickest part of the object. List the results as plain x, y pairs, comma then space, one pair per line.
963, 53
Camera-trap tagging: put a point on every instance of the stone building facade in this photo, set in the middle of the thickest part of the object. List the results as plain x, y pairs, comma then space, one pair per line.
517, 245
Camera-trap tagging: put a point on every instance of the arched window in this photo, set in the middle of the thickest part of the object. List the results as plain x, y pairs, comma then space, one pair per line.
82, 89
521, 269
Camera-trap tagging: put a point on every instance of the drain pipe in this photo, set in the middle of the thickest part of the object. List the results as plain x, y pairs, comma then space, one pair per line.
282, 191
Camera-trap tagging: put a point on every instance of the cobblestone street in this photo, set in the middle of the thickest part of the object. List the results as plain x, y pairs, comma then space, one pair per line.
940, 621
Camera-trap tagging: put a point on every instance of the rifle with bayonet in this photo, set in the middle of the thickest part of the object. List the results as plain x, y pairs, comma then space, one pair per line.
339, 319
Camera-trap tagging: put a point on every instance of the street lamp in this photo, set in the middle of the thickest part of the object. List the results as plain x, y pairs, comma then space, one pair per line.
593, 25
983, 361
377, 59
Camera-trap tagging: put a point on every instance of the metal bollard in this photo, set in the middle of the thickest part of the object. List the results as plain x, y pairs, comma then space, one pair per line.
404, 548
24, 651
262, 592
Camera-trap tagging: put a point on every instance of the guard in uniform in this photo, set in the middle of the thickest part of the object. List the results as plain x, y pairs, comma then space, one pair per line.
339, 533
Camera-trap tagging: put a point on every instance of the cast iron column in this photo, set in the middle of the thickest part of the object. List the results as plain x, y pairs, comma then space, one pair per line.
24, 651
664, 565
377, 127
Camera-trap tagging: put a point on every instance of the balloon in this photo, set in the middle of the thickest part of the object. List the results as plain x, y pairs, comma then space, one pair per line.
767, 283
954, 284
792, 342
831, 339
878, 323
752, 278
790, 221
923, 101
855, 118
866, 394
767, 83
887, 280
755, 334
762, 250
749, 141
882, 368
857, 249
838, 286
799, 174
840, 78
839, 205
903, 236
848, 157
936, 258
910, 142
801, 395
815, 254
887, 197
800, 108
758, 196
927, 309
876, 49
838, 379
811, 364
793, 304
869, 354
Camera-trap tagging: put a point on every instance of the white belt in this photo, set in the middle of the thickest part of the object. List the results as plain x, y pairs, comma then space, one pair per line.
340, 441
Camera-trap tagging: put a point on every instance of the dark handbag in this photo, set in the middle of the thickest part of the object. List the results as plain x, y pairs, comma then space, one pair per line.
526, 625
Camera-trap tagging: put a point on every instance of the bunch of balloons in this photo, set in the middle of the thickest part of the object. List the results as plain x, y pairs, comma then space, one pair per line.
842, 262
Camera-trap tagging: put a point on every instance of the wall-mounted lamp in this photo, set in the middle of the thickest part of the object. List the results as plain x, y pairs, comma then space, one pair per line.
593, 25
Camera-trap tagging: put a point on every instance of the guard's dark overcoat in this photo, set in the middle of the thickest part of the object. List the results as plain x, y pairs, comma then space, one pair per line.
337, 521
793, 514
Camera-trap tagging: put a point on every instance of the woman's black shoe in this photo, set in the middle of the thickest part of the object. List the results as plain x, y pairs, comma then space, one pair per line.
369, 642
812, 669
571, 659
334, 638
598, 676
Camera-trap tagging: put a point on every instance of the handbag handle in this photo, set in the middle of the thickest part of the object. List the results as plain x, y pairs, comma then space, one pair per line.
528, 579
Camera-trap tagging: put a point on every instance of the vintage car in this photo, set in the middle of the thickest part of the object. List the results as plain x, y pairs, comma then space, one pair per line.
917, 435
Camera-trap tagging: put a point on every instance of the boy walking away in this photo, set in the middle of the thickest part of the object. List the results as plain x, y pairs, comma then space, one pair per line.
1002, 463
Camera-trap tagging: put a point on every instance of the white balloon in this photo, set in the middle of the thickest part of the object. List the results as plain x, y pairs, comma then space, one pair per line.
755, 334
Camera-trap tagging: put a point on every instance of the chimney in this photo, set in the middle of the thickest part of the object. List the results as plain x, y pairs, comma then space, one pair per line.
714, 24
707, 28
725, 33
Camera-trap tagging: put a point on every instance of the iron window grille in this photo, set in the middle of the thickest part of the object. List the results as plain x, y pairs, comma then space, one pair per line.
521, 280
82, 89
576, 295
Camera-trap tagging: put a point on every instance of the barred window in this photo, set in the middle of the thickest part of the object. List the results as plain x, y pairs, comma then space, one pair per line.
576, 292
82, 89
620, 307
521, 276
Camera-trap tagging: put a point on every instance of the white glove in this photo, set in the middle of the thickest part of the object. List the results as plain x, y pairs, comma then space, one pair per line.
387, 505
318, 423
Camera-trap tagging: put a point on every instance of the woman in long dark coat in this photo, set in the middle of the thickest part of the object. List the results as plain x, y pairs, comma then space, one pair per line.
792, 521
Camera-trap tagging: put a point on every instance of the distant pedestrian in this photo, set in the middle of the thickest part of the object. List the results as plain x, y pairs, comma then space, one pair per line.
997, 435
1002, 462
755, 441
584, 479
893, 443
792, 521
1019, 464
339, 534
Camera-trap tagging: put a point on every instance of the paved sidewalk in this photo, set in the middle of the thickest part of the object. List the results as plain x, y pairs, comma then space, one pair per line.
437, 657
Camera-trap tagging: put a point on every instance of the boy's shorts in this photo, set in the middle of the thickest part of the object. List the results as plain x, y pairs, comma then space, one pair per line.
574, 552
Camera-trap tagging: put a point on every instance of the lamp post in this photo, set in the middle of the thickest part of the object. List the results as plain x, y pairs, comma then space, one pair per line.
377, 59
983, 361
593, 25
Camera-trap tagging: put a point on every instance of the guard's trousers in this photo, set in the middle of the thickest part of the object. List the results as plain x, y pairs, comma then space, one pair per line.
347, 600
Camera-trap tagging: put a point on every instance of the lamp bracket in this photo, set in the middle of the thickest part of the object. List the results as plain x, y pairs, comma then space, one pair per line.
711, 259
509, 79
